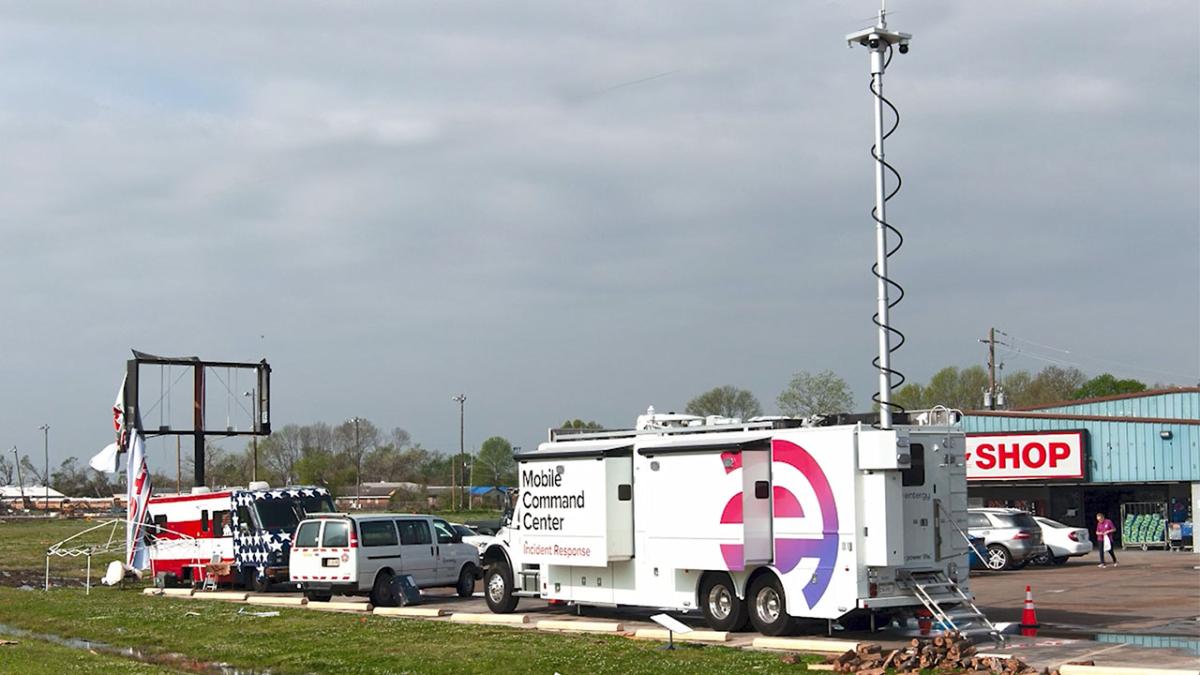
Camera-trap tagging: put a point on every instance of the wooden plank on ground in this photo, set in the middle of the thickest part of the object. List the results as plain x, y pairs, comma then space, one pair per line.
805, 644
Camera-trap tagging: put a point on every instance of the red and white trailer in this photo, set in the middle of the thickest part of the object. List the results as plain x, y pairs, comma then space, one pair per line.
248, 529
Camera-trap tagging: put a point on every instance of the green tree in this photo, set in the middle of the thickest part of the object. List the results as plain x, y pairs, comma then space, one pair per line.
823, 393
494, 465
955, 388
1107, 385
316, 467
577, 423
911, 396
728, 401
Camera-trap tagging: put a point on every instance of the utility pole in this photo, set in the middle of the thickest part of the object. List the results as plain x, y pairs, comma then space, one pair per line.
994, 395
358, 466
178, 467
20, 483
254, 438
456, 467
46, 446
992, 365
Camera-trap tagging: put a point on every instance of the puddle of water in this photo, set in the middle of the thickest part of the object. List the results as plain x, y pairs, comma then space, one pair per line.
1157, 641
176, 660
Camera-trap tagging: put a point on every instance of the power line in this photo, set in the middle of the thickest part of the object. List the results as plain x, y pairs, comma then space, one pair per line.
1124, 364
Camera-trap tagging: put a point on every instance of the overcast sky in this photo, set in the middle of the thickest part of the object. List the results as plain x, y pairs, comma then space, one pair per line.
579, 209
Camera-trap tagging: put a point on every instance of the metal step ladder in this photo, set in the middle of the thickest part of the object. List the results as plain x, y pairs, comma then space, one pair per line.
949, 604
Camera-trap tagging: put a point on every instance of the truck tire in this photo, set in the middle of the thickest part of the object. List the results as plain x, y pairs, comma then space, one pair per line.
252, 582
318, 596
381, 591
998, 557
722, 608
498, 588
466, 582
768, 606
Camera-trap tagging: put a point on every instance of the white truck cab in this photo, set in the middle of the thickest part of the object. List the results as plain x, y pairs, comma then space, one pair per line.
761, 521
362, 554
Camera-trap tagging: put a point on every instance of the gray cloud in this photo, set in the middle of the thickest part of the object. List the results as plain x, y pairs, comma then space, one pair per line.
409, 202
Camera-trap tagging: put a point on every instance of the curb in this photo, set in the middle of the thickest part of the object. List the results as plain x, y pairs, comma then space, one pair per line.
694, 636
805, 645
492, 619
579, 626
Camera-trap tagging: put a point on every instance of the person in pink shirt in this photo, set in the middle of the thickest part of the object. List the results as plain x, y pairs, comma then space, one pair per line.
1104, 538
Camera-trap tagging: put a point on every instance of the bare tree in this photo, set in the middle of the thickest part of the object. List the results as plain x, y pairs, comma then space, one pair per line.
8, 470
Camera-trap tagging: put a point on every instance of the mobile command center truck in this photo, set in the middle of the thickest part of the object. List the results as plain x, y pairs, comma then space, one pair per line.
764, 521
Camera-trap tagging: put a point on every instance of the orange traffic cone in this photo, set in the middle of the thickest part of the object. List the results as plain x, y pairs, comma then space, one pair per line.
1029, 616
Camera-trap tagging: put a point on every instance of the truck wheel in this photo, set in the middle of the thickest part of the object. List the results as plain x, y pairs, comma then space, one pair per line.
317, 596
252, 582
722, 608
466, 582
498, 588
998, 557
381, 591
768, 606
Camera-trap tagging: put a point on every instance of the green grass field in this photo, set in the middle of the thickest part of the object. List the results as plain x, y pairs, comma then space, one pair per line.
184, 635
23, 546
300, 640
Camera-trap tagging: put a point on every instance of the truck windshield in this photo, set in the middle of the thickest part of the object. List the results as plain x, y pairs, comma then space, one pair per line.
317, 504
278, 514
286, 513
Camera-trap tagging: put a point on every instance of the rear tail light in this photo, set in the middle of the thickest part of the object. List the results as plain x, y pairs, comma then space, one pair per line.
353, 538
1023, 534
873, 590
1073, 536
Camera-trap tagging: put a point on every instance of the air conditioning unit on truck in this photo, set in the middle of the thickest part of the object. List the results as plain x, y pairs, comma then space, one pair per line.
250, 529
762, 522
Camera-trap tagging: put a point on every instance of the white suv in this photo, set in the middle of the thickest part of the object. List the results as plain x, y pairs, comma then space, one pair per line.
363, 554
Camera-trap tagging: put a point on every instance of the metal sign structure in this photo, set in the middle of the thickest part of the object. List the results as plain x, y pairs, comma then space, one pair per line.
197, 425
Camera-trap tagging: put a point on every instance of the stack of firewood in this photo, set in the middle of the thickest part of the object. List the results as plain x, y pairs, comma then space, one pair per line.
949, 652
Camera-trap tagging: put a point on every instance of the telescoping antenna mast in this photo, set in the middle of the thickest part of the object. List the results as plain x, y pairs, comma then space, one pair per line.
880, 42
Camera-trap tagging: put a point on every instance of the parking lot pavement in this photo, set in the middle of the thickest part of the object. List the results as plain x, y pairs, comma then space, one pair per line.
1148, 592
1085, 612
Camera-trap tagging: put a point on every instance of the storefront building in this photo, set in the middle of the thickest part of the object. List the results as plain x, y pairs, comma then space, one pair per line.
1134, 457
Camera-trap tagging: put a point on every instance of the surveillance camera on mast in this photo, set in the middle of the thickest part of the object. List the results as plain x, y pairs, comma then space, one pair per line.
878, 37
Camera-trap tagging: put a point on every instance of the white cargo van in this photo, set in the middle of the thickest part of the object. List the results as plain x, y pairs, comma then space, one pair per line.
361, 554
